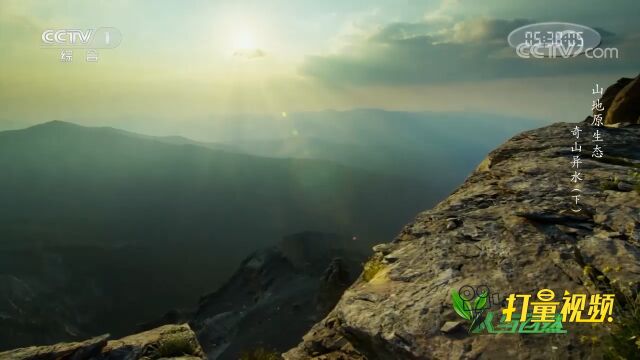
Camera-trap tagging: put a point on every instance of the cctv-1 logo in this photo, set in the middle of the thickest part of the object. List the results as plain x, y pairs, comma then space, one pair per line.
67, 36
98, 38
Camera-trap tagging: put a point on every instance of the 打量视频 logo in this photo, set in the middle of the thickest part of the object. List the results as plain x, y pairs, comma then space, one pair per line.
528, 314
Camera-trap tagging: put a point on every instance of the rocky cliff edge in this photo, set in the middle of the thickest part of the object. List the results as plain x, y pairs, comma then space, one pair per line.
509, 227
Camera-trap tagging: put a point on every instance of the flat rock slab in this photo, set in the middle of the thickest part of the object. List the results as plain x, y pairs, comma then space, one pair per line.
165, 342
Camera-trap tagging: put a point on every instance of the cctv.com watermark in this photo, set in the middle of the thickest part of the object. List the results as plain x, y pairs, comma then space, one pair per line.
540, 51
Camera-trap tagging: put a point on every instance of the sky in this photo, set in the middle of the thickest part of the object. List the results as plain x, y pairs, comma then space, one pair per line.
184, 61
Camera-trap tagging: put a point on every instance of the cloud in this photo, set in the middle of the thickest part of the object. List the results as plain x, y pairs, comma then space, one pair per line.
424, 53
442, 13
249, 54
481, 30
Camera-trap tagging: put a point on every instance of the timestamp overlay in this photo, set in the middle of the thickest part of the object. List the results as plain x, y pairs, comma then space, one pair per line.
559, 40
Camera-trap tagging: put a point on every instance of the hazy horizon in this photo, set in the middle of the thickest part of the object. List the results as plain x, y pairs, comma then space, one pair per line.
205, 129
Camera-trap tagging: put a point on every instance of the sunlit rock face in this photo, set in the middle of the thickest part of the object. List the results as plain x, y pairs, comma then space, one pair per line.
509, 226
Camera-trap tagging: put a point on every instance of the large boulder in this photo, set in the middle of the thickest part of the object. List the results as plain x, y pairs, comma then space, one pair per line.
625, 107
610, 94
169, 341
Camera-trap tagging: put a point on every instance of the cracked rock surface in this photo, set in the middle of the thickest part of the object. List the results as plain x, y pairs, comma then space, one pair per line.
509, 226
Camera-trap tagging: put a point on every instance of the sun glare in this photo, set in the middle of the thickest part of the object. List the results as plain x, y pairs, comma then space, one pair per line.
243, 39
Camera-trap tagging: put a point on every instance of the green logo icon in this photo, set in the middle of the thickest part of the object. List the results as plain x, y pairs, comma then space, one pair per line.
473, 304
470, 308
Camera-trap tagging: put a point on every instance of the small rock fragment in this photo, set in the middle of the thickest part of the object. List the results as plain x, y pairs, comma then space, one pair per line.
450, 326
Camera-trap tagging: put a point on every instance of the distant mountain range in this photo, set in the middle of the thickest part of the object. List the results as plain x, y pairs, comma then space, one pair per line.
404, 144
113, 228
104, 229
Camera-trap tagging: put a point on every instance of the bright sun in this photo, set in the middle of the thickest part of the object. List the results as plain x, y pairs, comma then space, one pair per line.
243, 39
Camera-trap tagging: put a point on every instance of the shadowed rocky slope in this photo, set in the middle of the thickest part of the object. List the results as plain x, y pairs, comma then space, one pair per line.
509, 226
275, 296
